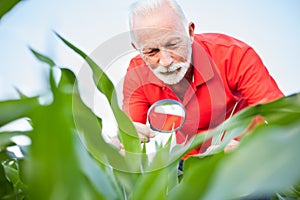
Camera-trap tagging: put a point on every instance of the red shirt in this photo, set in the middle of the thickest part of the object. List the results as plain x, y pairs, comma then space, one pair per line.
226, 71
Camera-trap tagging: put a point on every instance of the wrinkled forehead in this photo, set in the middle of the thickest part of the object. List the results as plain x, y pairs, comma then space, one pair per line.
156, 25
157, 36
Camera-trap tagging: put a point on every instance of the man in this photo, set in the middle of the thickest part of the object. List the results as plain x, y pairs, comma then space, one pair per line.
212, 75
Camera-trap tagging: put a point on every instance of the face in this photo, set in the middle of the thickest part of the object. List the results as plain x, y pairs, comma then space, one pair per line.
164, 45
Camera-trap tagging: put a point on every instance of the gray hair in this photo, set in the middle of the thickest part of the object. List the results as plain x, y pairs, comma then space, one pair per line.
146, 7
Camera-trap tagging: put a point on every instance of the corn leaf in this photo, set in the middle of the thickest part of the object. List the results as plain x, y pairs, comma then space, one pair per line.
6, 6
266, 161
127, 131
12, 171
14, 109
53, 156
6, 189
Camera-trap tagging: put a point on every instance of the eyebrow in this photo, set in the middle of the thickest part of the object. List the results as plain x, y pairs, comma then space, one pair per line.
165, 43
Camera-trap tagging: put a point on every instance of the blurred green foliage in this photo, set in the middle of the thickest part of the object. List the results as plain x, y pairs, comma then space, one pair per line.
68, 158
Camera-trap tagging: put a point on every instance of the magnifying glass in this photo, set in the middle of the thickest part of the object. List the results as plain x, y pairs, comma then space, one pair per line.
166, 116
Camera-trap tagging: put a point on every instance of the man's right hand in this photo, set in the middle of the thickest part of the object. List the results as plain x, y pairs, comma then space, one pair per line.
144, 132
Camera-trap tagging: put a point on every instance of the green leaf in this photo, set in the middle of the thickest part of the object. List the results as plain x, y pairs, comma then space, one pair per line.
266, 161
12, 172
89, 127
274, 167
6, 189
162, 157
21, 95
6, 6
127, 131
5, 138
48, 61
14, 109
159, 178
43, 58
53, 164
154, 185
98, 178
196, 178
291, 193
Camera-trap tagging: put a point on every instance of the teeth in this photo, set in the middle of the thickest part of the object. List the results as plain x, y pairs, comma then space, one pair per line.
170, 70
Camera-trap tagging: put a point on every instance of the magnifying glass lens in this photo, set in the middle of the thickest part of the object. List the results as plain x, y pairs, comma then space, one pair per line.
166, 116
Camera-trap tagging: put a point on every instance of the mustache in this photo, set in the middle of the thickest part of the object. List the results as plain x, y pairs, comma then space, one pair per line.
172, 68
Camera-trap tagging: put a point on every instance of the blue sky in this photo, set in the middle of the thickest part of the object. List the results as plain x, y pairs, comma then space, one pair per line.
271, 27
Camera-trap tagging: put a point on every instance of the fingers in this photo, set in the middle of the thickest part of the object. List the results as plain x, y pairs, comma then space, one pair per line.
144, 132
233, 144
116, 142
212, 148
255, 121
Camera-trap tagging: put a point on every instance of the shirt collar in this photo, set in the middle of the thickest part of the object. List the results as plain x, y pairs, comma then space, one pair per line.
203, 65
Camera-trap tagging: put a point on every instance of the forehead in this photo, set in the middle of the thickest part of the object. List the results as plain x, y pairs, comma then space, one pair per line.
157, 25
152, 37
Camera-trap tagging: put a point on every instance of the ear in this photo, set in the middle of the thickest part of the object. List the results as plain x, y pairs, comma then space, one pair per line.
191, 30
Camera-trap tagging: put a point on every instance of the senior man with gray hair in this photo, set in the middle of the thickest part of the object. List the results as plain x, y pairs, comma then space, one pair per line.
213, 75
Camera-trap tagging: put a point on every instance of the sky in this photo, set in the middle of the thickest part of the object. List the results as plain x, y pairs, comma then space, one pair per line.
100, 29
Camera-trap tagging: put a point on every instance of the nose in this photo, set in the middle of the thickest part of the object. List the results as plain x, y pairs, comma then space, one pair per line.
165, 58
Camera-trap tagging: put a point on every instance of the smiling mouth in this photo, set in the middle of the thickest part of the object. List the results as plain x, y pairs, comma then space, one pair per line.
171, 72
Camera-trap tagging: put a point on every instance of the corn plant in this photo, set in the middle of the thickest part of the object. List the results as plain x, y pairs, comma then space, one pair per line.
70, 159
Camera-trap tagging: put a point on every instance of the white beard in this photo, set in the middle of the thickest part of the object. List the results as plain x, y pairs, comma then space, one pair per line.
169, 75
